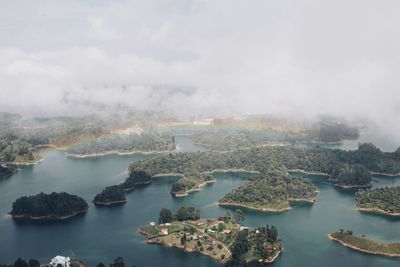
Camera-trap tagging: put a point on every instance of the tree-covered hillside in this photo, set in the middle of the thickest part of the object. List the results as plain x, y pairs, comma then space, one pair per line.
381, 200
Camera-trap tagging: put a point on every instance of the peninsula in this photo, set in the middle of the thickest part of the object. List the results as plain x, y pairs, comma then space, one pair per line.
222, 239
54, 206
362, 244
111, 195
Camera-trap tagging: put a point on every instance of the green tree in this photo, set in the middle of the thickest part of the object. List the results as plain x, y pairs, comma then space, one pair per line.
118, 262
273, 233
239, 216
165, 216
34, 263
183, 239
20, 263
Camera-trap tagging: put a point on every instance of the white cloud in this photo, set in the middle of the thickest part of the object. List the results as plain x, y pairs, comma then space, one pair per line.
193, 56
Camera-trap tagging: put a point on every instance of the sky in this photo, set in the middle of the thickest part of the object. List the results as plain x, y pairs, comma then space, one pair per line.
202, 57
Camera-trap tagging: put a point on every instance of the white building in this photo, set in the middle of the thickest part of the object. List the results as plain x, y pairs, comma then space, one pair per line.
60, 261
164, 231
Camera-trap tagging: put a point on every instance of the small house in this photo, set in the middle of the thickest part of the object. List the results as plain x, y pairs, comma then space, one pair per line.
60, 261
164, 231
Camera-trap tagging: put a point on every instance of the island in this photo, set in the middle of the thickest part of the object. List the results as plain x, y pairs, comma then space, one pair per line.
362, 244
272, 164
272, 193
223, 239
111, 195
385, 201
54, 206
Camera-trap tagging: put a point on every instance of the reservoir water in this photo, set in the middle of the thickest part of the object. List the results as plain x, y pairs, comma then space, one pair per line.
105, 233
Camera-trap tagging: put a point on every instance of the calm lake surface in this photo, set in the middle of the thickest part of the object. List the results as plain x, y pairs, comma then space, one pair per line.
105, 233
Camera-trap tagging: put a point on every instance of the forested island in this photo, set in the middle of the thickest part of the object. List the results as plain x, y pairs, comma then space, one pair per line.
270, 193
222, 239
384, 201
347, 168
54, 206
360, 243
111, 195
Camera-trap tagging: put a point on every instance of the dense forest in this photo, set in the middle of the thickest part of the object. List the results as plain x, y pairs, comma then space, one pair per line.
194, 166
236, 139
14, 150
272, 192
111, 195
136, 177
354, 175
48, 206
386, 200
350, 168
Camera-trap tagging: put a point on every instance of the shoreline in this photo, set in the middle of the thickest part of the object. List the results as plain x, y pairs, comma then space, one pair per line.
386, 174
233, 204
361, 249
160, 175
308, 173
118, 153
24, 163
48, 217
353, 186
378, 211
274, 257
311, 201
231, 170
109, 203
198, 188
182, 247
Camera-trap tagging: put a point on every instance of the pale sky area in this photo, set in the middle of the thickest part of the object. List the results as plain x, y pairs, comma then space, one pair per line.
202, 57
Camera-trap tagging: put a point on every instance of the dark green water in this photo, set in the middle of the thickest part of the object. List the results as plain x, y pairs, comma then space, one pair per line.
105, 233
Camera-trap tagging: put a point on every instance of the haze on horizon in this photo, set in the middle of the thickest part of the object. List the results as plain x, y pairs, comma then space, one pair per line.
199, 57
